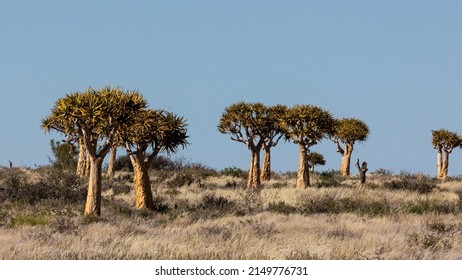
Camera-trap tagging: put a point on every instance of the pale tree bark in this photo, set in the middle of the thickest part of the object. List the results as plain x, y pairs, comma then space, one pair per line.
445, 165
112, 160
346, 152
143, 193
266, 166
93, 203
442, 162
439, 163
303, 174
254, 170
346, 159
83, 161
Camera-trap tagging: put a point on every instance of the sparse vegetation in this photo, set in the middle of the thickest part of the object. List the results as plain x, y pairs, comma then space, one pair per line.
214, 216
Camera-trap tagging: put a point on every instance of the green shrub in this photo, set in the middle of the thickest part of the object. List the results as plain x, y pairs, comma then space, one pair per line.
54, 184
65, 155
431, 206
328, 179
333, 205
34, 219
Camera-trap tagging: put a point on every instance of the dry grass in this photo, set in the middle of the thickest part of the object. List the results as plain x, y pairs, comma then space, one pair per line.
215, 218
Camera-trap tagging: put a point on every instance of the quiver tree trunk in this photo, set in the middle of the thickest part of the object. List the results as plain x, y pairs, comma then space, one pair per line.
442, 163
346, 159
254, 170
439, 163
93, 203
143, 193
83, 161
303, 174
112, 160
266, 167
445, 165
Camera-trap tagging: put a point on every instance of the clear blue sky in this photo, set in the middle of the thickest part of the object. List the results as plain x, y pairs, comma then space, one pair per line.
397, 65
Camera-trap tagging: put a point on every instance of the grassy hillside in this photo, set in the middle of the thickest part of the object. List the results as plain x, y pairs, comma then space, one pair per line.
204, 214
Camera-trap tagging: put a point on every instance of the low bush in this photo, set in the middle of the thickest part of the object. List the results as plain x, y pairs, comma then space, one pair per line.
31, 187
33, 219
330, 204
328, 179
413, 182
234, 172
281, 207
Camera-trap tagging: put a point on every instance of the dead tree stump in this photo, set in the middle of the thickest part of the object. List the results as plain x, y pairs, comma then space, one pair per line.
362, 171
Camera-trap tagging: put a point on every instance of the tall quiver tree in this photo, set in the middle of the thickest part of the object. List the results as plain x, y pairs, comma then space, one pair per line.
95, 116
307, 125
348, 132
271, 134
153, 132
444, 142
244, 121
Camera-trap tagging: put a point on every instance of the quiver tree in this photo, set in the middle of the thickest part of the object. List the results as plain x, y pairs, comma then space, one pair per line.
245, 121
154, 131
95, 117
83, 160
315, 159
271, 134
348, 132
306, 125
444, 142
112, 161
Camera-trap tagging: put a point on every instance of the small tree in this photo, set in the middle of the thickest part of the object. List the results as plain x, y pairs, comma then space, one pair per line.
444, 142
154, 131
95, 116
349, 131
315, 159
306, 125
65, 156
245, 121
271, 134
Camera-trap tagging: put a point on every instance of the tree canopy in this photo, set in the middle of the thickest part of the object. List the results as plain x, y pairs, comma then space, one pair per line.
307, 125
445, 139
95, 116
350, 130
156, 129
246, 123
